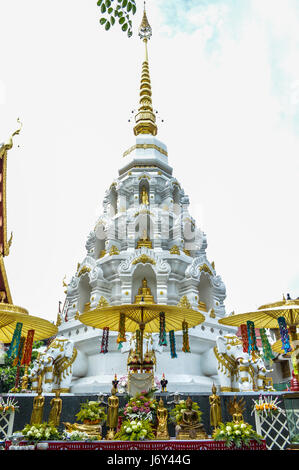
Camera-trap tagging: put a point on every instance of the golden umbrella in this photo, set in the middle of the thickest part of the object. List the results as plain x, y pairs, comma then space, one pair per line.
267, 315
146, 316
11, 314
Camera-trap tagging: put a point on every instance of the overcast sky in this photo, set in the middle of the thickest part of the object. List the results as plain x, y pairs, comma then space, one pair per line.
225, 79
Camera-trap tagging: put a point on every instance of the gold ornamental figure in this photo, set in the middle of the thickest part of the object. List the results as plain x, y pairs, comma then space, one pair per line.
236, 409
162, 416
190, 426
112, 416
56, 408
215, 408
38, 405
144, 196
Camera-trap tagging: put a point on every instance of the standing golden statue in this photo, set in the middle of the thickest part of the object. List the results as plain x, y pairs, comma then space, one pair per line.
38, 405
56, 408
112, 416
215, 408
144, 196
162, 415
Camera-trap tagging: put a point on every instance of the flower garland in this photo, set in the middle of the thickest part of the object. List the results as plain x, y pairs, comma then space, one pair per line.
266, 407
235, 433
284, 334
77, 436
135, 430
172, 344
105, 339
252, 346
186, 345
176, 414
122, 330
244, 335
162, 332
267, 351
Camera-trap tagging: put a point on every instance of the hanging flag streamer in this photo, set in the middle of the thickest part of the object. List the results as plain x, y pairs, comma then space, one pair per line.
162, 333
26, 359
122, 330
138, 343
186, 345
252, 346
267, 351
172, 344
105, 338
14, 345
244, 335
17, 359
284, 334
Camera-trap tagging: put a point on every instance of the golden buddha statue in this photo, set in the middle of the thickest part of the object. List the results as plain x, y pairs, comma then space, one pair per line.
215, 408
190, 427
144, 294
56, 407
144, 241
112, 416
38, 405
162, 415
144, 196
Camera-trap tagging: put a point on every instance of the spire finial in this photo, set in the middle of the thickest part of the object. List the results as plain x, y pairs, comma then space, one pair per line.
145, 118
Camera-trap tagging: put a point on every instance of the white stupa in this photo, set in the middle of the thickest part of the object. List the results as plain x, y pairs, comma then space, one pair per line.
146, 235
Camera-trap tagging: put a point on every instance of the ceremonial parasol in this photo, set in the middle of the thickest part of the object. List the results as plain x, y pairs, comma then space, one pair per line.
267, 316
146, 316
10, 315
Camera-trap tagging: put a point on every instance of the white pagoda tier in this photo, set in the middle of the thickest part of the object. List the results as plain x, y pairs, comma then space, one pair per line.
145, 238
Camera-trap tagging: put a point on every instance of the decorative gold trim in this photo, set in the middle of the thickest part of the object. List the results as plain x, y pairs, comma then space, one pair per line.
84, 270
143, 259
206, 269
145, 146
184, 302
113, 251
103, 302
175, 250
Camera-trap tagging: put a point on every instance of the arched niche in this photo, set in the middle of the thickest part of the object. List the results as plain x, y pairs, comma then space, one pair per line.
205, 290
113, 201
144, 271
144, 226
84, 291
176, 200
99, 241
143, 184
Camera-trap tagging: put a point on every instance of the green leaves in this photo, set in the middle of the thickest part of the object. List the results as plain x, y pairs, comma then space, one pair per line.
117, 9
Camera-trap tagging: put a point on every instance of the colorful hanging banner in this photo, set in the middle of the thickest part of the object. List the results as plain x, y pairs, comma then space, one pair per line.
18, 358
162, 331
172, 344
267, 351
244, 335
186, 345
105, 338
26, 359
252, 346
138, 343
15, 342
284, 334
122, 330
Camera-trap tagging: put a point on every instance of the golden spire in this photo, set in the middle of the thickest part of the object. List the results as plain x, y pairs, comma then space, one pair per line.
145, 118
